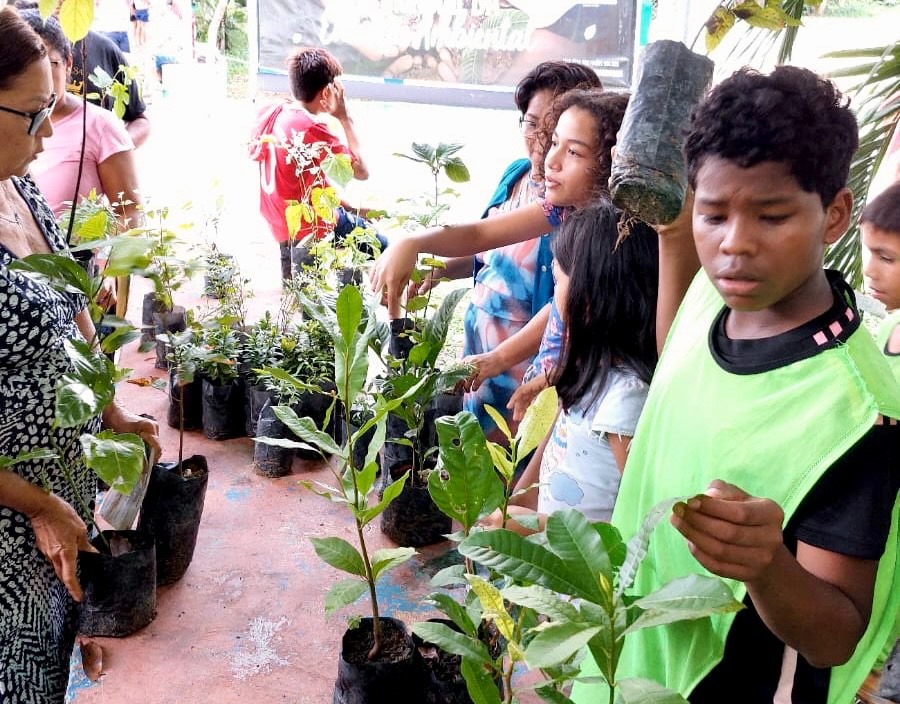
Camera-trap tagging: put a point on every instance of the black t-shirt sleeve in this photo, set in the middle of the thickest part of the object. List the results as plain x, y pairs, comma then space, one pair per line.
849, 510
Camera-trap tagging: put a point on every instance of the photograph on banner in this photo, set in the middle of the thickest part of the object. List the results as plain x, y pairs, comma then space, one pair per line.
463, 42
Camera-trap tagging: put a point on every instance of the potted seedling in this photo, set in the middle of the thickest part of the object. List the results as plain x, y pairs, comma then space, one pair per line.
169, 272
222, 391
576, 576
221, 270
443, 159
378, 663
473, 479
412, 440
260, 348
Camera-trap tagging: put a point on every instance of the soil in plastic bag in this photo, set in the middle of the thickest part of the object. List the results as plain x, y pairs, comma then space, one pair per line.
223, 410
400, 342
167, 322
649, 178
412, 519
397, 676
149, 306
193, 403
171, 513
119, 588
255, 397
271, 460
394, 453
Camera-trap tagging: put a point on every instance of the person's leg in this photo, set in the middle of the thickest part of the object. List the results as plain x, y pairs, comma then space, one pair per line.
285, 253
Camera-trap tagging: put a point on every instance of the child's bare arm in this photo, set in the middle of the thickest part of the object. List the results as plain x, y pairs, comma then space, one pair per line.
738, 536
678, 263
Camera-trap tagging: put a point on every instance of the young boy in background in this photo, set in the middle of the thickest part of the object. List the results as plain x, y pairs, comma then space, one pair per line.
771, 399
880, 226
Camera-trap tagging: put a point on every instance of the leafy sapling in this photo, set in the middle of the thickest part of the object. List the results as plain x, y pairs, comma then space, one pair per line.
352, 328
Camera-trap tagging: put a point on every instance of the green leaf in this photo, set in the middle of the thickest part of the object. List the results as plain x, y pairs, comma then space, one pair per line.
571, 536
466, 488
424, 151
365, 478
387, 558
338, 168
690, 597
537, 421
454, 611
6, 462
447, 149
501, 461
632, 690
118, 459
57, 270
349, 313
479, 682
343, 594
499, 420
75, 18
118, 339
390, 493
305, 429
612, 542
340, 554
554, 696
456, 170
514, 556
452, 576
493, 608
555, 643
435, 331
543, 601
127, 255
450, 641
773, 18
637, 546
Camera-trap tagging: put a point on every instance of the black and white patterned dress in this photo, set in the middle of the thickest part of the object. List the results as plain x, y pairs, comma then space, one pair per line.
38, 618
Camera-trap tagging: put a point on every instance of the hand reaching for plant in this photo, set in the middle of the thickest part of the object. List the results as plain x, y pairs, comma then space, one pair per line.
59, 534
106, 296
485, 366
731, 533
392, 273
116, 418
523, 397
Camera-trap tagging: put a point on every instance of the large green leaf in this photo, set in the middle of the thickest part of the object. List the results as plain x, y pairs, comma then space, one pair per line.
305, 429
537, 421
127, 255
514, 556
344, 593
349, 313
451, 641
435, 330
466, 488
387, 558
456, 170
340, 554
553, 696
682, 599
479, 682
639, 691
118, 459
59, 271
543, 601
6, 462
571, 536
452, 576
75, 18
555, 643
492, 606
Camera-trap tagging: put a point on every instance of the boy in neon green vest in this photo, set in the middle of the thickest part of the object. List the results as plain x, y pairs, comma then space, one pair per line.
772, 401
880, 226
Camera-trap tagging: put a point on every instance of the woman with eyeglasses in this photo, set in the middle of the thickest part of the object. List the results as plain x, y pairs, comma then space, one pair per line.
41, 531
513, 284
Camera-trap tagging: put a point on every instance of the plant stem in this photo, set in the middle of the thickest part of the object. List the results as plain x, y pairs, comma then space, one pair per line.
70, 480
180, 426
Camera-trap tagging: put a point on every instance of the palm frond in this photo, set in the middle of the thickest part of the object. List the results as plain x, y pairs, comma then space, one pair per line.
877, 100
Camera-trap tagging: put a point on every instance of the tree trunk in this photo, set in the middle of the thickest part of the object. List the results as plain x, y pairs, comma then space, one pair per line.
212, 33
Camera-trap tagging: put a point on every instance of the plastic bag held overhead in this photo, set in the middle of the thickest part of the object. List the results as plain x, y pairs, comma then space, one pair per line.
649, 179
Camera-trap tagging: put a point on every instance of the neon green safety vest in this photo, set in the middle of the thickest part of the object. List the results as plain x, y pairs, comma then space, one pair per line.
772, 434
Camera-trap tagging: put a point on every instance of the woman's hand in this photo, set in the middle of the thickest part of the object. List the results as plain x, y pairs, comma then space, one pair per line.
392, 273
106, 295
432, 279
523, 397
59, 534
486, 366
116, 418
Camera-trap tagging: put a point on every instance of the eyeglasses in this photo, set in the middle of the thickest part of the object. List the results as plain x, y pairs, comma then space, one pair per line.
527, 125
37, 118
